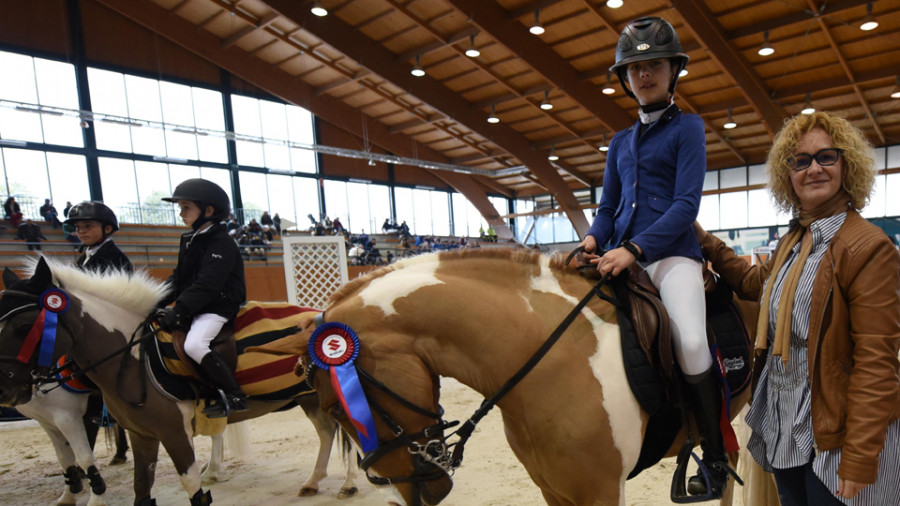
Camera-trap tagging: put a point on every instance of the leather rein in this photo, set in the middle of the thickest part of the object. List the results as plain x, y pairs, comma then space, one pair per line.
436, 451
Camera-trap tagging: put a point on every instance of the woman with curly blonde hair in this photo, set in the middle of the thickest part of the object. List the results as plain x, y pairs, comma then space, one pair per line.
826, 407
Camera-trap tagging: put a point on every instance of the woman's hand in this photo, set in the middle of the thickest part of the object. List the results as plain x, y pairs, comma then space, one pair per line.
614, 261
848, 489
589, 244
699, 231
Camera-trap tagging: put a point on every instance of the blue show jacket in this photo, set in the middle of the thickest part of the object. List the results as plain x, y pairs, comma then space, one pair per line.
652, 187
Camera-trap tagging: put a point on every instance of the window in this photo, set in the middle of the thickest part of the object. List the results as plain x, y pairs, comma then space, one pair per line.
733, 210
272, 126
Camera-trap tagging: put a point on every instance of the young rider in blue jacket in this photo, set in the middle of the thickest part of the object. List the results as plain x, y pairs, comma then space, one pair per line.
651, 195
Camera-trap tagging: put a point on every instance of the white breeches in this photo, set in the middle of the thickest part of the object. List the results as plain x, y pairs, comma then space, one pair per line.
680, 284
204, 329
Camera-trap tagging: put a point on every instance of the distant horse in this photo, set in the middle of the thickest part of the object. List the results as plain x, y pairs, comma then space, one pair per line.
93, 316
478, 316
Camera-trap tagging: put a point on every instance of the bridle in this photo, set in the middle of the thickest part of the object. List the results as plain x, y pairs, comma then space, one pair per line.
41, 376
447, 457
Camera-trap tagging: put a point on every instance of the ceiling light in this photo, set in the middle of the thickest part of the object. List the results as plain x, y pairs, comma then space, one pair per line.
473, 51
869, 22
553, 156
766, 49
808, 108
896, 93
493, 117
608, 89
537, 28
683, 73
318, 10
603, 147
730, 123
614, 4
417, 70
546, 105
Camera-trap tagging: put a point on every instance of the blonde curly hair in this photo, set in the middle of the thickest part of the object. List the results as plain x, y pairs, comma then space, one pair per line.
858, 159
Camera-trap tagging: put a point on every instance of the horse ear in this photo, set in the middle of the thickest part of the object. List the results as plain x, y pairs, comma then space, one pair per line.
42, 276
9, 277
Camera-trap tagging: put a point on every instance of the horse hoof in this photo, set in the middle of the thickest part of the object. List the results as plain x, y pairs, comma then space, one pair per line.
347, 492
118, 460
307, 492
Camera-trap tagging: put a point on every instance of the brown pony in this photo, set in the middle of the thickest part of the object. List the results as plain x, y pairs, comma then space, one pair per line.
95, 317
478, 316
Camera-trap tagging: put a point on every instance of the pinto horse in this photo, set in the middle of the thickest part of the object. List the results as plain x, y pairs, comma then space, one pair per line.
93, 316
478, 316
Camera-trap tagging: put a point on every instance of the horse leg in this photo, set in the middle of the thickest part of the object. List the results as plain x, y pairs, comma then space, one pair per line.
66, 458
146, 453
325, 429
121, 455
72, 428
210, 471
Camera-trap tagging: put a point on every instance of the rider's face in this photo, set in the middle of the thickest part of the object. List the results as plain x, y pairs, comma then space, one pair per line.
90, 232
649, 80
190, 212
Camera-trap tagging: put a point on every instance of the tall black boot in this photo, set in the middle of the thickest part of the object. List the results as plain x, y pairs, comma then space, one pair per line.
707, 403
220, 374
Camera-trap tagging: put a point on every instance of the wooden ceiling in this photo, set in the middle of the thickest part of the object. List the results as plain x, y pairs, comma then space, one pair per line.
352, 69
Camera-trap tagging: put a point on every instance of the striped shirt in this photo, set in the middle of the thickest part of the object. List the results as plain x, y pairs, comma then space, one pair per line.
780, 416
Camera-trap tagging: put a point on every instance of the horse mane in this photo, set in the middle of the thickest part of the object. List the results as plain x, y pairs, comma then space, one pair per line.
137, 292
557, 261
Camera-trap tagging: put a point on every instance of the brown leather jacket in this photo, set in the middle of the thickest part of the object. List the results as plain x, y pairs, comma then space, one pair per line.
854, 338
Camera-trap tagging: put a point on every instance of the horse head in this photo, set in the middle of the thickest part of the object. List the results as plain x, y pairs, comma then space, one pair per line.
30, 339
410, 454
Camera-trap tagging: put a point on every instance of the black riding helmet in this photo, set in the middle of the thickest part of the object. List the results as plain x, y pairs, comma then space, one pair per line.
204, 193
648, 38
93, 211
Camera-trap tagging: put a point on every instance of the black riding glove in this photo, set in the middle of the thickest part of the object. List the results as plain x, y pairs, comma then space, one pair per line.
171, 319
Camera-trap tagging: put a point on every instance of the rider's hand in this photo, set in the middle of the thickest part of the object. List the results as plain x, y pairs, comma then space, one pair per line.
614, 261
171, 319
590, 246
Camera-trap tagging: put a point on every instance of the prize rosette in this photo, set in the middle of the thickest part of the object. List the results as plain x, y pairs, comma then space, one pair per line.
54, 302
334, 347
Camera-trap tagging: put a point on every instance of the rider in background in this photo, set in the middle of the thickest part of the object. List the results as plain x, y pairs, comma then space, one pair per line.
651, 195
208, 283
94, 224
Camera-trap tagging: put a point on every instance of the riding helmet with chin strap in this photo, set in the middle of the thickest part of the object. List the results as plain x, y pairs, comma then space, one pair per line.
204, 193
93, 211
648, 38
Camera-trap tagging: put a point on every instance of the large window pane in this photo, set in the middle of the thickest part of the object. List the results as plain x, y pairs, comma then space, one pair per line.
709, 212
246, 122
26, 172
404, 206
17, 84
254, 195
762, 210
440, 213
306, 201
379, 205
152, 185
56, 87
892, 187
733, 212
120, 188
300, 129
281, 196
108, 97
877, 202
68, 179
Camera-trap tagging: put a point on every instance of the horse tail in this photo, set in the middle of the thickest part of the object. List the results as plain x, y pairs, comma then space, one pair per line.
238, 439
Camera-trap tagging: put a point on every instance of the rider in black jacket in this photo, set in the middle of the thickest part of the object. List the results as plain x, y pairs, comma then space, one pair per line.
209, 283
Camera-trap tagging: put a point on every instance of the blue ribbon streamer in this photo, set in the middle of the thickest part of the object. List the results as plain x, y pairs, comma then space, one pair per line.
346, 384
48, 339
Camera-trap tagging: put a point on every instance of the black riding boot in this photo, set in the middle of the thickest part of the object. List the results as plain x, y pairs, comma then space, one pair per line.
220, 375
707, 402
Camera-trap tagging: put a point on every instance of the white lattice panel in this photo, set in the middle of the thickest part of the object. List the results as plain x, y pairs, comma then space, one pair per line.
314, 268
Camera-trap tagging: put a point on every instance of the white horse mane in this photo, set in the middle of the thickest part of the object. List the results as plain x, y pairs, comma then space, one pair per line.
137, 292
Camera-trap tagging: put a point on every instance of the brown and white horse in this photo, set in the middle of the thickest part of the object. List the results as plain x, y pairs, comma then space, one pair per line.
100, 313
478, 316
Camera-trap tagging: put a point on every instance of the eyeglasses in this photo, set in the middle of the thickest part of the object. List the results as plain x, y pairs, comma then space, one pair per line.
824, 157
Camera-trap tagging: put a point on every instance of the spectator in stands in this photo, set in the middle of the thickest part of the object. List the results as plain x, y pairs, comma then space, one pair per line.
337, 226
254, 227
363, 238
276, 222
404, 230
13, 212
71, 236
265, 219
49, 213
329, 226
491, 234
267, 235
390, 227
30, 232
66, 209
232, 225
